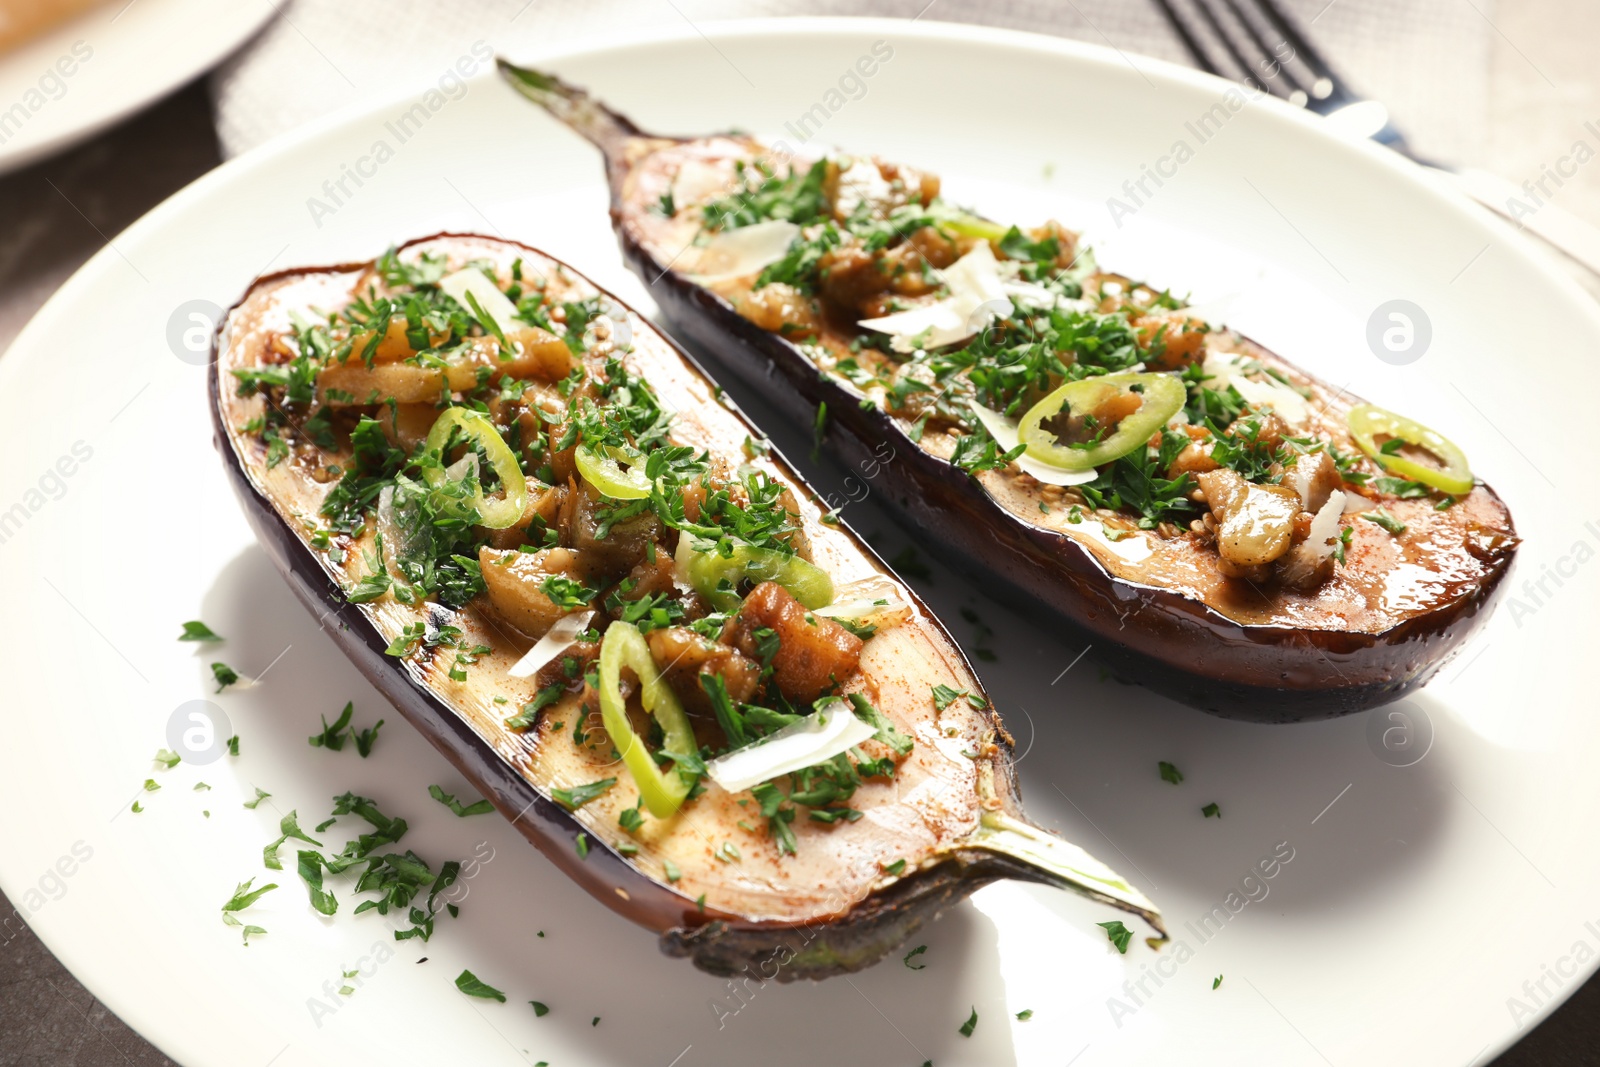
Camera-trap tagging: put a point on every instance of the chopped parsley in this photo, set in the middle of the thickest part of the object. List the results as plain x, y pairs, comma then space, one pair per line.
473, 986
225, 675
970, 1025
1118, 934
1211, 811
944, 696
195, 630
1169, 773
1386, 521
333, 737
579, 795
482, 807
909, 956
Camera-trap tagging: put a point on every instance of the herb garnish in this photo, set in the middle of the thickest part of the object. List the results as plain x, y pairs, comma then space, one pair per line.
195, 630
1118, 934
482, 807
472, 986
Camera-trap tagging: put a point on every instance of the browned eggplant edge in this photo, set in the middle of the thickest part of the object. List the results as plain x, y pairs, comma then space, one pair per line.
719, 943
1178, 647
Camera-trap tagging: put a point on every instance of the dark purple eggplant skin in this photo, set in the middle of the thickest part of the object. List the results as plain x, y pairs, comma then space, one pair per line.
1173, 645
717, 943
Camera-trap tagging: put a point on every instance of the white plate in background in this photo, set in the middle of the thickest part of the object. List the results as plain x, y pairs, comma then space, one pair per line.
83, 75
1429, 911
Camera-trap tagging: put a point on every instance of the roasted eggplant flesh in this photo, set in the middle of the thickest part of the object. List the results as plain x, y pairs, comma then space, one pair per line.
593, 585
1224, 526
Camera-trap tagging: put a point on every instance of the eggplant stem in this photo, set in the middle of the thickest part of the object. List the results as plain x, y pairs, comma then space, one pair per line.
1053, 861
607, 129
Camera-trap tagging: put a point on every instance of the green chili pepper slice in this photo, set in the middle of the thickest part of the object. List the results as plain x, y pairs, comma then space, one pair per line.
1368, 422
717, 577
624, 646
603, 468
496, 514
1163, 396
974, 226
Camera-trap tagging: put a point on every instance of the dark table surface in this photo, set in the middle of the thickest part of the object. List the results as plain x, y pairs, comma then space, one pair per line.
57, 214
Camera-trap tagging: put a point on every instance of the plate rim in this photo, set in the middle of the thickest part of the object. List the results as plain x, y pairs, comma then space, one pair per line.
1530, 256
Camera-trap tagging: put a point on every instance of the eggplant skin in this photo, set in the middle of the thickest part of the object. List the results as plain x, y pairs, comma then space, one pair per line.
722, 944
1167, 642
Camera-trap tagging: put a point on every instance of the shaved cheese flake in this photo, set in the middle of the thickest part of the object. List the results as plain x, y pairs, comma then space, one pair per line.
870, 602
1355, 502
494, 303
1324, 533
736, 253
698, 182
820, 736
1224, 367
1004, 432
977, 297
1280, 398
562, 636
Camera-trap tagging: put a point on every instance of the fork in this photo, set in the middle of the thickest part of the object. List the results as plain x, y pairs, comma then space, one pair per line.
1268, 53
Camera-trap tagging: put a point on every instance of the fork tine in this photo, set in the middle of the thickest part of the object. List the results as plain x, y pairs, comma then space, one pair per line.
1228, 44
1269, 52
1303, 49
1181, 28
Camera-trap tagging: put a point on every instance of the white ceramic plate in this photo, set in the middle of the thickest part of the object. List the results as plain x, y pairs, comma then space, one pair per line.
82, 76
1419, 899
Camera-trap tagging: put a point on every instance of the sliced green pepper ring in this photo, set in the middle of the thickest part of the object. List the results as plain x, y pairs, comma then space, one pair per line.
624, 646
496, 514
1367, 422
603, 468
1163, 396
716, 577
975, 226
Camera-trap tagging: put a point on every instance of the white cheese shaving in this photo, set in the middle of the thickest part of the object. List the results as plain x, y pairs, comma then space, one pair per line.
871, 602
1355, 502
557, 640
735, 253
1225, 368
1324, 534
494, 303
820, 736
698, 182
977, 297
1004, 432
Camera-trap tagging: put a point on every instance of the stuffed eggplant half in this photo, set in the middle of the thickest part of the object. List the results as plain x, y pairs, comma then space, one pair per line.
1221, 526
591, 584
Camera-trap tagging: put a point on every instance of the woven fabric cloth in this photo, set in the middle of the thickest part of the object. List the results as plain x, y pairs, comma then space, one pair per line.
1427, 59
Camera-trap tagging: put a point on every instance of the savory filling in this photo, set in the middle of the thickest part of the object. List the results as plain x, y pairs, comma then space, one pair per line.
1008, 350
497, 455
